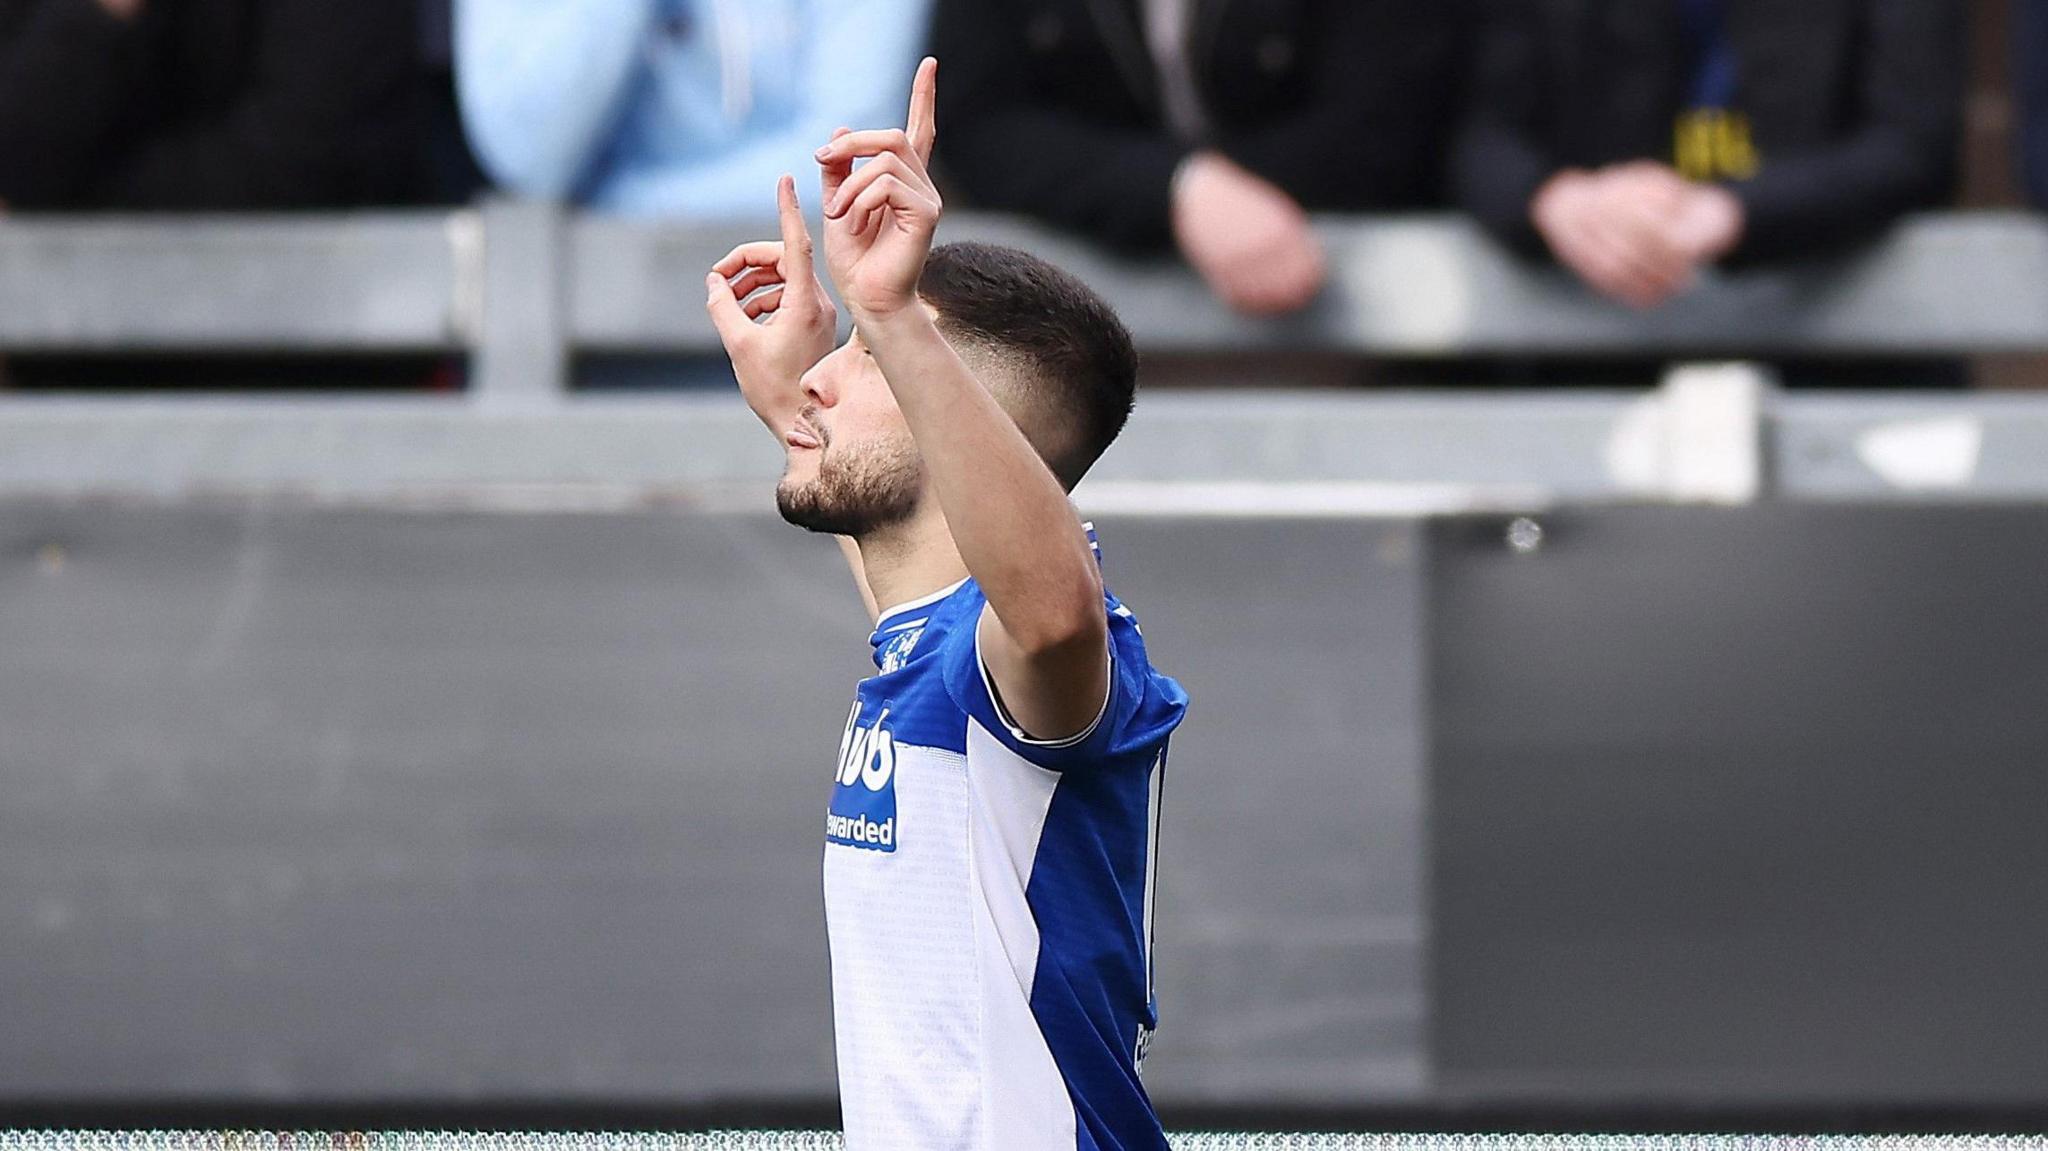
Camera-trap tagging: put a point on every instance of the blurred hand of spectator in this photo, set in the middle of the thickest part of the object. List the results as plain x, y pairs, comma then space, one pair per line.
1809, 127
1213, 126
1635, 232
1611, 232
1709, 222
1249, 240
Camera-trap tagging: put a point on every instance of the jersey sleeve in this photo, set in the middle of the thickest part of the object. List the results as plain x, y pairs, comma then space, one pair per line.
1142, 707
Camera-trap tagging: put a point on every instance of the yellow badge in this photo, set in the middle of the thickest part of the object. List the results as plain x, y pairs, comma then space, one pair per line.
1714, 144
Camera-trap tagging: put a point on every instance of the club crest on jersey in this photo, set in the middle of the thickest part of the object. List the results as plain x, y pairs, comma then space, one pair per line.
897, 651
863, 810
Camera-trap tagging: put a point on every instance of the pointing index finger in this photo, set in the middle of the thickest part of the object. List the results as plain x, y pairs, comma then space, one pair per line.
923, 125
796, 238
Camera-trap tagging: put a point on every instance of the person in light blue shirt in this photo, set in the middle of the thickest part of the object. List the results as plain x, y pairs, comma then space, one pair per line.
677, 108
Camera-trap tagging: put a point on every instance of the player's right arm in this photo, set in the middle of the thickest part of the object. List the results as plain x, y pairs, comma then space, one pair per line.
776, 322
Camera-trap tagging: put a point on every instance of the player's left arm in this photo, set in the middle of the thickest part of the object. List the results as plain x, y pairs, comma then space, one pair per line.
1045, 635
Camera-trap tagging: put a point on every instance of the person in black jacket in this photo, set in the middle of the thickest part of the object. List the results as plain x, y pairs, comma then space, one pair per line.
1639, 140
2030, 43
208, 104
1211, 124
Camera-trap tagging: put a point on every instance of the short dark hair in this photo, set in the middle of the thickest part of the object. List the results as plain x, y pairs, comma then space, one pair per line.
1077, 358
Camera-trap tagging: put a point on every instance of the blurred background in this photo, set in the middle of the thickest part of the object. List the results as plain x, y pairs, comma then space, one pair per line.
1592, 478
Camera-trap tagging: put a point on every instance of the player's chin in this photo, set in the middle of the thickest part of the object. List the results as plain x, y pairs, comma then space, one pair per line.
800, 486
806, 504
804, 462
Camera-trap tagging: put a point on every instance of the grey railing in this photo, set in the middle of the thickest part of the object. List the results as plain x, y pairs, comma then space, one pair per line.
525, 285
521, 289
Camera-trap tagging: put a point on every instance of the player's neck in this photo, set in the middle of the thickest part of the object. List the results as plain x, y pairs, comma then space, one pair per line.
911, 560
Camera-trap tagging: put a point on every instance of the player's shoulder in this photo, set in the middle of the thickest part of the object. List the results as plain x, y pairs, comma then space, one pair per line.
955, 618
1158, 696
1126, 634
941, 632
931, 666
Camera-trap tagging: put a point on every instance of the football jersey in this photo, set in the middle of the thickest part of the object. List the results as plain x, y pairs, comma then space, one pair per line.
989, 899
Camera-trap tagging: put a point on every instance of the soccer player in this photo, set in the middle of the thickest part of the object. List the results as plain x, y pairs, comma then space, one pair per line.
990, 841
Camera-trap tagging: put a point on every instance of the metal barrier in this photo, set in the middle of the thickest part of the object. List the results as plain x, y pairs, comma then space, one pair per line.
524, 285
369, 283
522, 288
1240, 453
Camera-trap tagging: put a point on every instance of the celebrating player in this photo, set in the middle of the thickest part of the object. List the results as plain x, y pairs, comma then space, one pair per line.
990, 841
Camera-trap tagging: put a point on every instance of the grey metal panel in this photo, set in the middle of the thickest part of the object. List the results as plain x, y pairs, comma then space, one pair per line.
1438, 285
1431, 285
1203, 451
522, 359
360, 283
354, 805
1961, 282
699, 446
1980, 447
1291, 903
1435, 285
593, 450
1553, 443
639, 286
1741, 807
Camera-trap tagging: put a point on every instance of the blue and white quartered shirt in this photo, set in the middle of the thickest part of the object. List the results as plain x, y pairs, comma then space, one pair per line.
989, 899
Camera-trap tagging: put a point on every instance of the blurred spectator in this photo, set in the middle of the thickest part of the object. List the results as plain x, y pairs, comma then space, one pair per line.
675, 107
207, 104
1211, 124
1639, 140
2031, 67
452, 173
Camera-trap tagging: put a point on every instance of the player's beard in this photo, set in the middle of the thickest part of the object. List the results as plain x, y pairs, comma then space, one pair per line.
857, 491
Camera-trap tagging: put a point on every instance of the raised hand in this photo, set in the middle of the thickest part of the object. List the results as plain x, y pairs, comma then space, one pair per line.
879, 218
772, 314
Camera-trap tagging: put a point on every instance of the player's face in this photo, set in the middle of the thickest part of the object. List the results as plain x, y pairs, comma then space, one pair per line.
853, 468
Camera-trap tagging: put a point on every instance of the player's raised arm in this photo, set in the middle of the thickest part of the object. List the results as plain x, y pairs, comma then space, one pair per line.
1045, 639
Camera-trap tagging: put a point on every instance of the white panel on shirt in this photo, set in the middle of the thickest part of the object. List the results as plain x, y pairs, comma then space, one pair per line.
934, 950
1026, 1100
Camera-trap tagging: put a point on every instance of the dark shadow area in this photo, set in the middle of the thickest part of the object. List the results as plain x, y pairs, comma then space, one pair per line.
814, 1114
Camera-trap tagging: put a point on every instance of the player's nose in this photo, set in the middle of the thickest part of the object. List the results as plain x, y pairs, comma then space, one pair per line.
817, 384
